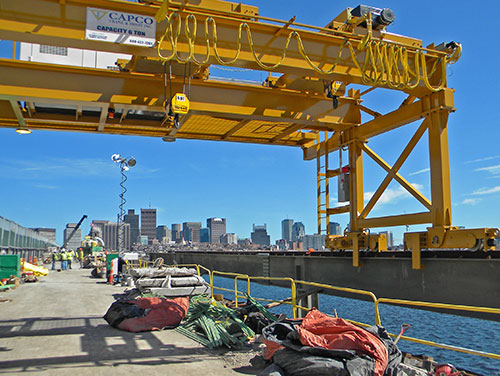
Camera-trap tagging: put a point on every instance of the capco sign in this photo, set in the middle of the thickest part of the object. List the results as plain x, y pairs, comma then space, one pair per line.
120, 27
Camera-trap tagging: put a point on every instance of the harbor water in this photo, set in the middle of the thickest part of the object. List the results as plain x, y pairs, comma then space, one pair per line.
437, 327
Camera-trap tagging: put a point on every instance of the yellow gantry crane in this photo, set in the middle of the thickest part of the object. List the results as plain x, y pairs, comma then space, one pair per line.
164, 89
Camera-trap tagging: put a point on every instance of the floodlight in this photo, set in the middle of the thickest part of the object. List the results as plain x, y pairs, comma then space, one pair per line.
23, 130
125, 163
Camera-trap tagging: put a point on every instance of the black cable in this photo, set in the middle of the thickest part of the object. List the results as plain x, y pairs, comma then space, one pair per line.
184, 80
189, 81
165, 82
170, 79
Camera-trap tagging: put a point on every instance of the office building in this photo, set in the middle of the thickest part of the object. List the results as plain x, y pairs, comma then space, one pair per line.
244, 242
205, 235
133, 220
97, 227
334, 228
148, 224
298, 231
76, 240
229, 239
191, 231
217, 227
390, 238
177, 232
259, 235
286, 229
49, 233
163, 234
110, 236
143, 240
315, 241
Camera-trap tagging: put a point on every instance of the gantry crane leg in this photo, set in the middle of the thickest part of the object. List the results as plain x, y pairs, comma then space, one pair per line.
434, 110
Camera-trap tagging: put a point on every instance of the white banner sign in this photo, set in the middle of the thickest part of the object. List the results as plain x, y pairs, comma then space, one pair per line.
120, 27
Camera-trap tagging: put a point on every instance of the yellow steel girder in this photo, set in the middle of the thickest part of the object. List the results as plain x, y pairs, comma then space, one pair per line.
219, 110
333, 53
405, 114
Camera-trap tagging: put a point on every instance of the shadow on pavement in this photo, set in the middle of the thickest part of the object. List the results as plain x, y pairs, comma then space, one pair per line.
100, 344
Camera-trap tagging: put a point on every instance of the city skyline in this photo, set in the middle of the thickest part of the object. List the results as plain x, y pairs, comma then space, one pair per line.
297, 230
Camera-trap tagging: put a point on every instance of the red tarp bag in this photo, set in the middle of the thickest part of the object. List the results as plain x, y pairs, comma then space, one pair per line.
163, 313
320, 330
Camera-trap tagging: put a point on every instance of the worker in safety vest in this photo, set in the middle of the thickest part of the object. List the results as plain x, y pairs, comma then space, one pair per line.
64, 260
54, 259
81, 258
70, 258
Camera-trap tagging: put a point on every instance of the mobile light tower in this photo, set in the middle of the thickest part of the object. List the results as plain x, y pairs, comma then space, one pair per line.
125, 164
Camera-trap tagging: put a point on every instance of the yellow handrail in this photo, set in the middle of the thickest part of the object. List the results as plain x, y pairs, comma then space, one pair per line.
292, 288
376, 302
236, 275
440, 305
349, 290
449, 347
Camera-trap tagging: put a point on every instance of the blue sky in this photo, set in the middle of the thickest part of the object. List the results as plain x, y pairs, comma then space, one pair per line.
52, 178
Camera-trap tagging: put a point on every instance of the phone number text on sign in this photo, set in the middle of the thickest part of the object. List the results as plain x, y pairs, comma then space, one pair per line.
120, 27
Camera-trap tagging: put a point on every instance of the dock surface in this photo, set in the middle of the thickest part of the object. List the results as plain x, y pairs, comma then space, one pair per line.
55, 327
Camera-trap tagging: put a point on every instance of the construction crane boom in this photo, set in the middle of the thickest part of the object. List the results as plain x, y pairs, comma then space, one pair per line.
68, 239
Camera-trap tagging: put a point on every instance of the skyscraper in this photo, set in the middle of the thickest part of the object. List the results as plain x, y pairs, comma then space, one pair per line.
205, 235
163, 233
177, 232
49, 233
259, 235
110, 236
313, 241
191, 231
229, 238
298, 231
76, 240
286, 229
133, 220
98, 226
148, 224
334, 228
217, 227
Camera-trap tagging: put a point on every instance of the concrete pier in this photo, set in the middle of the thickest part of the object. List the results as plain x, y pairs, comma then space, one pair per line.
55, 327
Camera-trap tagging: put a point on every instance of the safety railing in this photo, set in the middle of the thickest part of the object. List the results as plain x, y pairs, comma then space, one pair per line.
452, 307
370, 294
227, 274
198, 268
376, 302
286, 279
145, 263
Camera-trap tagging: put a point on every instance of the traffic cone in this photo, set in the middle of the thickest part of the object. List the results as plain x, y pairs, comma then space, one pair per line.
110, 278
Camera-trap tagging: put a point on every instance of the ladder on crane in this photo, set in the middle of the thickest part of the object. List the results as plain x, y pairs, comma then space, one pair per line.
323, 175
